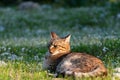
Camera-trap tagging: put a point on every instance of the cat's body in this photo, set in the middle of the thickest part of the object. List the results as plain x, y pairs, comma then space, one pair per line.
61, 60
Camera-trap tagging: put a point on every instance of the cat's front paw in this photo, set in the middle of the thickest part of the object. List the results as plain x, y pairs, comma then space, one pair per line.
69, 73
55, 75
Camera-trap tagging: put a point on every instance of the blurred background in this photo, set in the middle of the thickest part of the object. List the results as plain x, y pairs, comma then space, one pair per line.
25, 27
65, 3
28, 23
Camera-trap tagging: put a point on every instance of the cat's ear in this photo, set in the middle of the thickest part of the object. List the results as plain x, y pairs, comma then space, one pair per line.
67, 38
54, 35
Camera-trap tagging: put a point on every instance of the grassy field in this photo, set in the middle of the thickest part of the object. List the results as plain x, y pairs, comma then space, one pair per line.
24, 36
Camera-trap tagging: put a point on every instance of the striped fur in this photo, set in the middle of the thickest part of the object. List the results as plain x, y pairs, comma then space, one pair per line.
81, 65
63, 61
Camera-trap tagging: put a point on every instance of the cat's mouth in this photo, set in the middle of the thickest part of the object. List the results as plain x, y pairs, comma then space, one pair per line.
56, 53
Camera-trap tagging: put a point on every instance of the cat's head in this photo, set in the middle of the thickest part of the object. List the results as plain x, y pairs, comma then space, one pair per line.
59, 46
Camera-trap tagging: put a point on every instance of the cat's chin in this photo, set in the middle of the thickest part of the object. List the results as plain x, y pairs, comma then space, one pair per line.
54, 54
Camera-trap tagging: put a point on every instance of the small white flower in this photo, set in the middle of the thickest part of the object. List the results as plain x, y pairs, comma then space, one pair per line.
104, 49
13, 57
5, 53
23, 49
9, 48
36, 57
2, 63
118, 15
2, 28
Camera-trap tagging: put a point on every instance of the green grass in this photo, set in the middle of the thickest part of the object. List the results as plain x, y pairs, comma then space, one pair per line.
24, 36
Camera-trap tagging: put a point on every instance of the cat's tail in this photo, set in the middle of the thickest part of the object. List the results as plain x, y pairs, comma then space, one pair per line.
100, 71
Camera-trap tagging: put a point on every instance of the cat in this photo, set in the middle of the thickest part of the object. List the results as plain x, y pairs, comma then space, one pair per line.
61, 60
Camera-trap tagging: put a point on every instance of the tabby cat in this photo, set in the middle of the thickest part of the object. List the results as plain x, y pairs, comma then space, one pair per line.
61, 60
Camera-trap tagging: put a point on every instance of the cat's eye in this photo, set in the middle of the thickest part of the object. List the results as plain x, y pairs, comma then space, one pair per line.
55, 46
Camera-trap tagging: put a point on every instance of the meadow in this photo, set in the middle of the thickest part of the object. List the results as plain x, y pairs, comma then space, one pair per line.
24, 35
